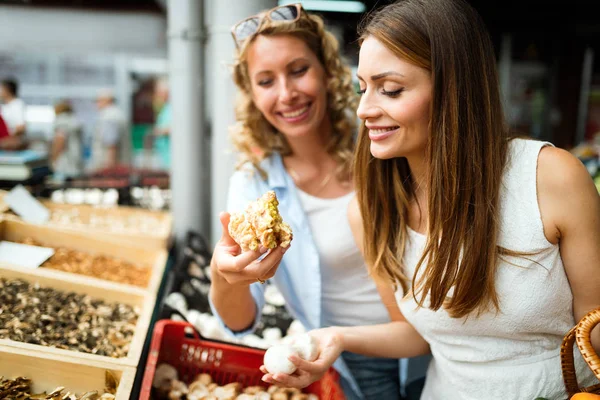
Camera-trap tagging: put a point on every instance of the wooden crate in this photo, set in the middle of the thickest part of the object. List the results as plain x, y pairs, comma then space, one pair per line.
106, 291
156, 259
152, 238
160, 237
48, 371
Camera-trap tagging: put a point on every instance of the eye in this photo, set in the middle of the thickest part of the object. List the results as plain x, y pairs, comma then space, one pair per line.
264, 82
361, 91
300, 71
393, 93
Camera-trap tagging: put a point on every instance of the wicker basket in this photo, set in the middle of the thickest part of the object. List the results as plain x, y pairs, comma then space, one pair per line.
580, 334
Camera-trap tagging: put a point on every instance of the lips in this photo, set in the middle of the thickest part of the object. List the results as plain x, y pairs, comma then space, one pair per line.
296, 114
377, 133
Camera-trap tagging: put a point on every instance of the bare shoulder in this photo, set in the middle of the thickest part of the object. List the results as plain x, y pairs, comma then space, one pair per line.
565, 190
354, 211
355, 219
558, 167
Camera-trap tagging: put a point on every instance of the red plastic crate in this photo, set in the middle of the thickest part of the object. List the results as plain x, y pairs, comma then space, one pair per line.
177, 343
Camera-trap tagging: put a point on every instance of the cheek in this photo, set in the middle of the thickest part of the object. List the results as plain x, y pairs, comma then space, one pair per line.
264, 100
414, 114
313, 85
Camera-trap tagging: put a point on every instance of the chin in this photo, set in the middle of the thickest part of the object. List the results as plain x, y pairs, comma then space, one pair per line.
298, 131
382, 152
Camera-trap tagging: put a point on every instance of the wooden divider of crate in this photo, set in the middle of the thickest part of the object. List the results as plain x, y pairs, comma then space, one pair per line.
48, 371
160, 238
106, 291
3, 206
156, 239
156, 259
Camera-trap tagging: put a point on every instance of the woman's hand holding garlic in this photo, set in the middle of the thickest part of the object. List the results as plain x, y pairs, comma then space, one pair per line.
304, 360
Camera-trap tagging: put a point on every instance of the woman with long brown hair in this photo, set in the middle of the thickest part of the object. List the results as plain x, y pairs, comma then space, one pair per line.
492, 242
295, 136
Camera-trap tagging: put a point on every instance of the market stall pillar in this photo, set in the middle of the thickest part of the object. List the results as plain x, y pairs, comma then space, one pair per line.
190, 176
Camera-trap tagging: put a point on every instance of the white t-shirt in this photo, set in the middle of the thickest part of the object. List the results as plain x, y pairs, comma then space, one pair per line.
13, 114
348, 295
70, 162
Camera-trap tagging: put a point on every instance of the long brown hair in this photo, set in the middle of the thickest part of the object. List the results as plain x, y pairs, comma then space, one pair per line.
255, 138
466, 154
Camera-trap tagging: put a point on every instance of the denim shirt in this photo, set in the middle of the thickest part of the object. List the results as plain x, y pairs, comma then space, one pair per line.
298, 277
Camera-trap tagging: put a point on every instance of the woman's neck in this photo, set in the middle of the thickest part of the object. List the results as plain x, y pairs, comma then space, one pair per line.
311, 149
419, 171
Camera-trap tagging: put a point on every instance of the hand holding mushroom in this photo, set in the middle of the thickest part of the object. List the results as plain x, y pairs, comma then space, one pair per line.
304, 360
246, 237
238, 267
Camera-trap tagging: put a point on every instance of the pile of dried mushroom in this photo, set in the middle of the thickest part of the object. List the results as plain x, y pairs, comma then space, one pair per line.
20, 389
167, 386
96, 265
66, 320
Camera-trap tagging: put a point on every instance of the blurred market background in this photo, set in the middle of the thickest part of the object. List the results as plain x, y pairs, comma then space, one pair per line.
147, 54
154, 75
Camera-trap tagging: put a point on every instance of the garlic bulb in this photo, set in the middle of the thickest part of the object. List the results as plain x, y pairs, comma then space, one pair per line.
272, 335
306, 346
276, 359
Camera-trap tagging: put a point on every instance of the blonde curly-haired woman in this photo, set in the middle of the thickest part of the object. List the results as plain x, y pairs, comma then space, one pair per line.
295, 134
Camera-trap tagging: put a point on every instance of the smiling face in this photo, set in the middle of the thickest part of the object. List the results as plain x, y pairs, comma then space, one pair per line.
288, 85
395, 102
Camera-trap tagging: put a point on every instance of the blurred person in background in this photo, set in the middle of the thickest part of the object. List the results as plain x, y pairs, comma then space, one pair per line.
162, 127
67, 144
13, 108
111, 144
13, 114
3, 129
295, 135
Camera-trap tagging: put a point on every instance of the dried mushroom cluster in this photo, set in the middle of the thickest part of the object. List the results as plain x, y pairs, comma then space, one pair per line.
260, 225
96, 265
203, 387
20, 389
133, 224
48, 317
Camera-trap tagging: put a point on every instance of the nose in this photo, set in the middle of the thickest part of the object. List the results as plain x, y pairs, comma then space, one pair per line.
288, 92
366, 109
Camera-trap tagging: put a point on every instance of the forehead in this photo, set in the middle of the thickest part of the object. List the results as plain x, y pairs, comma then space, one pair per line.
273, 52
374, 58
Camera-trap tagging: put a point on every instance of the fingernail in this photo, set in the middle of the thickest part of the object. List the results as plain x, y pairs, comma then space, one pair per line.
262, 257
262, 249
264, 379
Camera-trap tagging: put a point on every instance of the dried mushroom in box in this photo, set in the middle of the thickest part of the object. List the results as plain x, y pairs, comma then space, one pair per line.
65, 320
20, 389
166, 385
135, 223
95, 265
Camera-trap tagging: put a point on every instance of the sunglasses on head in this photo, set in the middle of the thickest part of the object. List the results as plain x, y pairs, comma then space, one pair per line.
249, 26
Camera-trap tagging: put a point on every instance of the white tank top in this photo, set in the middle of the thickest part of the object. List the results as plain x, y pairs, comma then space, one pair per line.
514, 354
348, 295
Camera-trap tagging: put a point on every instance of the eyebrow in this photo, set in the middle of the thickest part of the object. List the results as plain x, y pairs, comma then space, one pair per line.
295, 60
381, 75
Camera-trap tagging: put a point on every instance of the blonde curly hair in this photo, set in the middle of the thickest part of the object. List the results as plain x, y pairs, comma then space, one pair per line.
256, 139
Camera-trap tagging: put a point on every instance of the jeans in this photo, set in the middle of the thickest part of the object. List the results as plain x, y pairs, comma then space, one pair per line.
414, 389
378, 378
